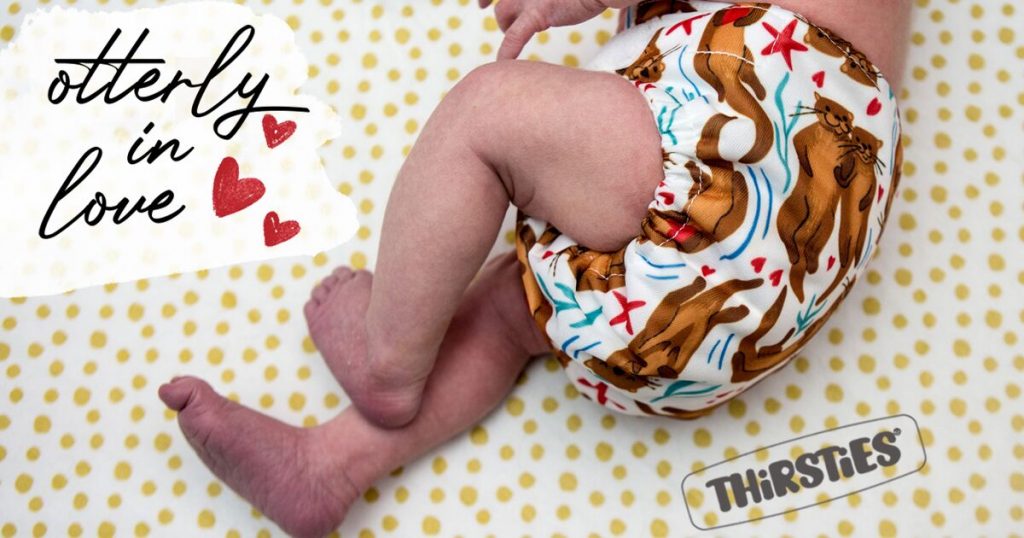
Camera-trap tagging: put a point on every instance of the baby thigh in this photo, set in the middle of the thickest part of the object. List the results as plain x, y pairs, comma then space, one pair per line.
578, 149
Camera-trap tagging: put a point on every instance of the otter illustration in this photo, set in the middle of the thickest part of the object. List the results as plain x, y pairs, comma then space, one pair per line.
617, 376
716, 208
675, 412
751, 361
857, 66
822, 40
651, 63
677, 327
597, 271
724, 61
807, 217
652, 9
539, 306
855, 203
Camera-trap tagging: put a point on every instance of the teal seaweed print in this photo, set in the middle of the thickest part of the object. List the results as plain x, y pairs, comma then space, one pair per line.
570, 304
682, 388
804, 319
665, 127
783, 131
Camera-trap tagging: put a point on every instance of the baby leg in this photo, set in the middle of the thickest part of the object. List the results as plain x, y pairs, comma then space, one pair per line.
306, 479
576, 148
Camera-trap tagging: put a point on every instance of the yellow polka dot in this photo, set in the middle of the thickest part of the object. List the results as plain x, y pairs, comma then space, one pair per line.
42, 424
123, 470
478, 435
431, 525
206, 519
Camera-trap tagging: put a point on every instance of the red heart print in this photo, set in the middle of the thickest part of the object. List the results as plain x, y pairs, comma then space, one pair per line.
880, 191
819, 78
668, 197
680, 233
276, 232
733, 14
831, 262
707, 270
874, 107
230, 194
775, 277
276, 133
757, 264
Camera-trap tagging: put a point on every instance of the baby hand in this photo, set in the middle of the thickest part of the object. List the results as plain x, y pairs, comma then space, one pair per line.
521, 19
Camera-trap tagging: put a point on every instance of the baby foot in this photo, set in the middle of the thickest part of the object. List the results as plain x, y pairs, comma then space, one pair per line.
286, 472
336, 315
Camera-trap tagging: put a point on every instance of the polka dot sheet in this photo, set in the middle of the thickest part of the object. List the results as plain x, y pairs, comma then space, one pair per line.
934, 331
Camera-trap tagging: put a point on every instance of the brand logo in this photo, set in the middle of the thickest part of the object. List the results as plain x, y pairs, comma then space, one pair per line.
804, 472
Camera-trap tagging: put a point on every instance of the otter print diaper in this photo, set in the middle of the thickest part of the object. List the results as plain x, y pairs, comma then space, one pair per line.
781, 146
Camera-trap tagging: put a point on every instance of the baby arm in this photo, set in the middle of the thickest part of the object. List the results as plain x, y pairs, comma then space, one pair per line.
522, 19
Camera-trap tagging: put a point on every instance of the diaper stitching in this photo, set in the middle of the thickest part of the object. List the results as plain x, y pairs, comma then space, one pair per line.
720, 53
845, 50
828, 34
603, 277
689, 202
774, 13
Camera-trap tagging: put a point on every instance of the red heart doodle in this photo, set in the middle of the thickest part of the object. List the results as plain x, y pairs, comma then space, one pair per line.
880, 191
757, 264
668, 196
230, 194
775, 277
819, 78
707, 270
547, 254
874, 107
276, 133
831, 262
276, 232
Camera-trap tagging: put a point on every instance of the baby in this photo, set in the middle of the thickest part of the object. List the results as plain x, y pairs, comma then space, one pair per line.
692, 207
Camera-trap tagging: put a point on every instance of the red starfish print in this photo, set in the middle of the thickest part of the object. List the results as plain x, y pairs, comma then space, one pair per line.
783, 42
627, 306
602, 392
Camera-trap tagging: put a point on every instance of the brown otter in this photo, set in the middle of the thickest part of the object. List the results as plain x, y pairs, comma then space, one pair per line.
677, 327
807, 217
675, 412
616, 376
651, 63
724, 61
751, 361
597, 271
855, 203
652, 9
538, 304
857, 66
716, 208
